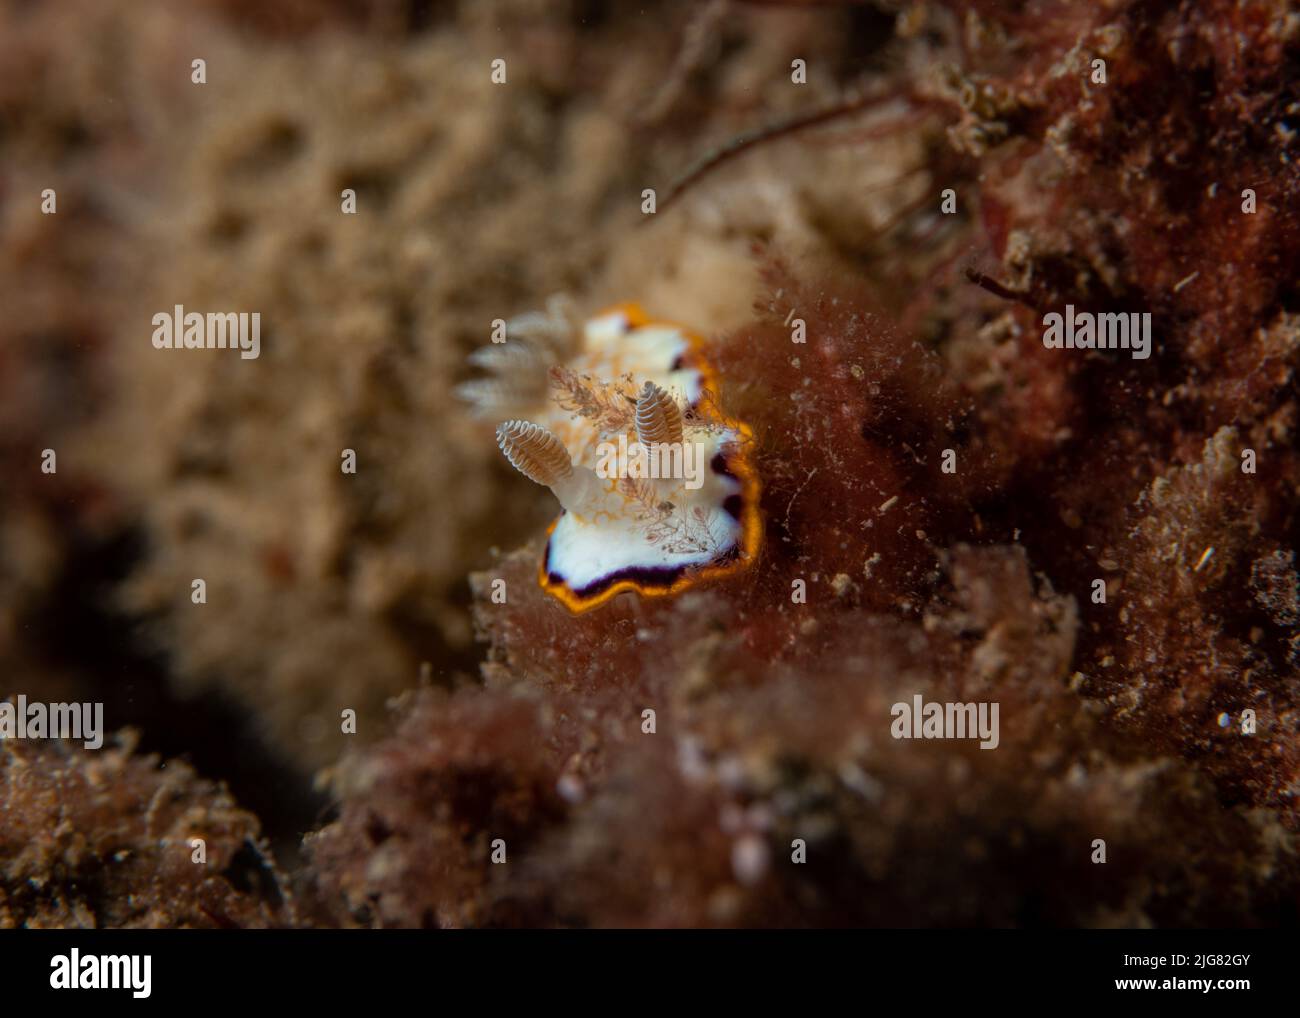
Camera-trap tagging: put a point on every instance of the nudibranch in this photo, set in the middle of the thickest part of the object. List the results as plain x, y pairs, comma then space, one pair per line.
618, 417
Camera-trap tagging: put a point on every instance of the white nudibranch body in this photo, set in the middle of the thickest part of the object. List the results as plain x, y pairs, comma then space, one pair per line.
617, 417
